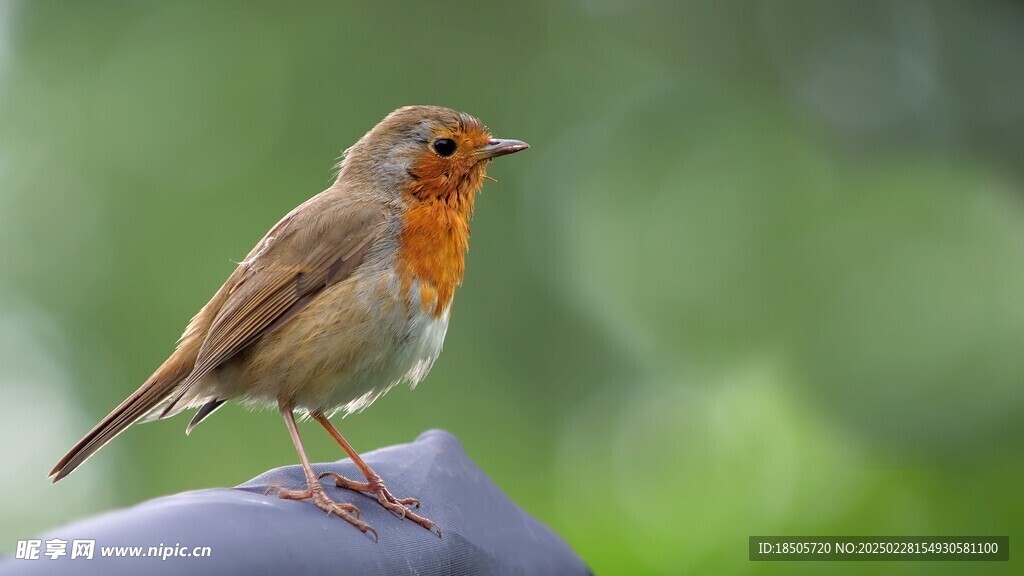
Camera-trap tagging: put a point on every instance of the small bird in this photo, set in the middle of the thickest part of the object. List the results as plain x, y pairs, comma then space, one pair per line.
345, 297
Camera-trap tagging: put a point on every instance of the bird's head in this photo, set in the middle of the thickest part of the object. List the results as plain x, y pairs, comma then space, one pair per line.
427, 152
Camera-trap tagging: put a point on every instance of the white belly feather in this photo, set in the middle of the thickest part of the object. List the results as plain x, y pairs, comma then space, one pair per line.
410, 362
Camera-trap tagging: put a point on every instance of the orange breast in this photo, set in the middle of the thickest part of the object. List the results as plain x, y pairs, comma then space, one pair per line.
435, 228
432, 250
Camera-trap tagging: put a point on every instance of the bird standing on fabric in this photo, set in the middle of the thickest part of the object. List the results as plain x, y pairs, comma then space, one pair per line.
345, 297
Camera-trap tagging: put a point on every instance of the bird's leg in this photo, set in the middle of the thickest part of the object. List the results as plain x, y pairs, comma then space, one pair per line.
373, 485
314, 491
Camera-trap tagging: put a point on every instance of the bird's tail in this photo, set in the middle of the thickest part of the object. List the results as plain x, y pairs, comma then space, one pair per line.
157, 389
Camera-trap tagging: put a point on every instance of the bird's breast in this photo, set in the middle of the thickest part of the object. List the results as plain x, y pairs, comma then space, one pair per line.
432, 245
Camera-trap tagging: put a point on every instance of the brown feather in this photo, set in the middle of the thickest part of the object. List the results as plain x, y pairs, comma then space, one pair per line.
156, 389
298, 258
263, 292
204, 411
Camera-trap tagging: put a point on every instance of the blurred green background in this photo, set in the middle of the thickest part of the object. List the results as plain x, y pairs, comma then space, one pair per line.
761, 272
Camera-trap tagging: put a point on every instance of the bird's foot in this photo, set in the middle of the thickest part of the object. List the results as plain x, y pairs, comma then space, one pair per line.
343, 510
375, 486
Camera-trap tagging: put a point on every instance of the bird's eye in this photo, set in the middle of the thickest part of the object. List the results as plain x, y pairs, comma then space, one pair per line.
444, 147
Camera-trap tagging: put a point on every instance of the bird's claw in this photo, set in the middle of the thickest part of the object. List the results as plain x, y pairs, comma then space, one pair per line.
344, 510
376, 487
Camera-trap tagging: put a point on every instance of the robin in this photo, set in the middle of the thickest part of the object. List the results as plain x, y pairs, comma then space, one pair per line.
345, 297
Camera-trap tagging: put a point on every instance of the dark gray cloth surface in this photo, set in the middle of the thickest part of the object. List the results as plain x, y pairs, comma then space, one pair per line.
250, 533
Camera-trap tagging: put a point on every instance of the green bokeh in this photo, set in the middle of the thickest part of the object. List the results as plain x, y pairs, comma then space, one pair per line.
761, 272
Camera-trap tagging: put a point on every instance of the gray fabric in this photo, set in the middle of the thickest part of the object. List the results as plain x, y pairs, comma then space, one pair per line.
249, 533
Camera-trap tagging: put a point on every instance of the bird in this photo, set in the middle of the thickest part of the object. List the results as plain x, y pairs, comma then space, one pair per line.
347, 296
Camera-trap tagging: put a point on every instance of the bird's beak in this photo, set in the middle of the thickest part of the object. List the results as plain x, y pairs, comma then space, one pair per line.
498, 147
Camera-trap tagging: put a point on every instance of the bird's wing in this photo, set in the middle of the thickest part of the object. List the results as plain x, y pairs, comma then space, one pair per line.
316, 245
